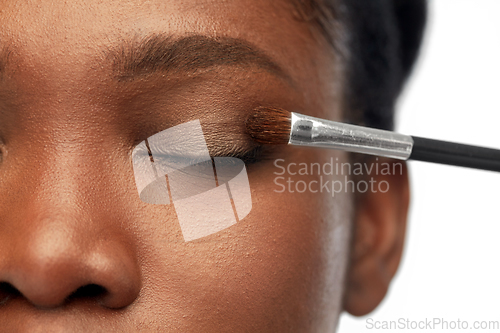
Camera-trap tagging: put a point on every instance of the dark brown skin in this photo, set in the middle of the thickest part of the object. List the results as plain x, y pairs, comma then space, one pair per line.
70, 215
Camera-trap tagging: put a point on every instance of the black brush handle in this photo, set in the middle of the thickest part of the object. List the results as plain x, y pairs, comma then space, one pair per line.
455, 154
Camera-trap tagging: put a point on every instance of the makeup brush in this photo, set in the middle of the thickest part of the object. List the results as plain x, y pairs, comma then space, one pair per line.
277, 126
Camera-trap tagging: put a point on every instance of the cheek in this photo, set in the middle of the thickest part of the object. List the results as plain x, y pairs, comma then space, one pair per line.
281, 266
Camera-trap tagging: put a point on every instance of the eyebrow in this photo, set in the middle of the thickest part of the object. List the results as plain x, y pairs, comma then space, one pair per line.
166, 54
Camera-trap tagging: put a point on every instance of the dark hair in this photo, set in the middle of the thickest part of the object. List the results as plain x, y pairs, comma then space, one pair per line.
379, 41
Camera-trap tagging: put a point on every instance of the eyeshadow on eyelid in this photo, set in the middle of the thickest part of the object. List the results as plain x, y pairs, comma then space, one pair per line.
208, 195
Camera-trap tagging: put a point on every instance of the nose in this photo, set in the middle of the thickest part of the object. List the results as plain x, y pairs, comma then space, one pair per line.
64, 239
55, 265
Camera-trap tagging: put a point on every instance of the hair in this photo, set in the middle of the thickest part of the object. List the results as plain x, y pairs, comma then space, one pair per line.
378, 41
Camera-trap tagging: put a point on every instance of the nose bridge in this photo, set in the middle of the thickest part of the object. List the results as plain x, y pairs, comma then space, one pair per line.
64, 158
74, 185
75, 171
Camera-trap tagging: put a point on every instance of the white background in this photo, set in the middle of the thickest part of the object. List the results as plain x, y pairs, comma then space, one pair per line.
450, 268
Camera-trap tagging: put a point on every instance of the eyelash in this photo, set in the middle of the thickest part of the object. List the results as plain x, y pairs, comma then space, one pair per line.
251, 156
258, 154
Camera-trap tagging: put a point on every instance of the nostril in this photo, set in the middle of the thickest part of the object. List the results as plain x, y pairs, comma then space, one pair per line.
7, 291
88, 291
52, 272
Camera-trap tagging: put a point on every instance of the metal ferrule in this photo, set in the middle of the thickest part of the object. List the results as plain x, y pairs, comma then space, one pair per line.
310, 131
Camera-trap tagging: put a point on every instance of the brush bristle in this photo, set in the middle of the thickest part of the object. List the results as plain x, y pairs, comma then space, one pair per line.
270, 126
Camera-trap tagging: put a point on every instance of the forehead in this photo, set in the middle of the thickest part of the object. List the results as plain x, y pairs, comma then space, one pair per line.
69, 36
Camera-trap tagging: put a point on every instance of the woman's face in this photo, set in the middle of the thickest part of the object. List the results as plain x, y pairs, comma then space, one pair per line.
82, 83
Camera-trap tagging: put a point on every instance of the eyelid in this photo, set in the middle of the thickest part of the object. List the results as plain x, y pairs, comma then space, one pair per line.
252, 155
